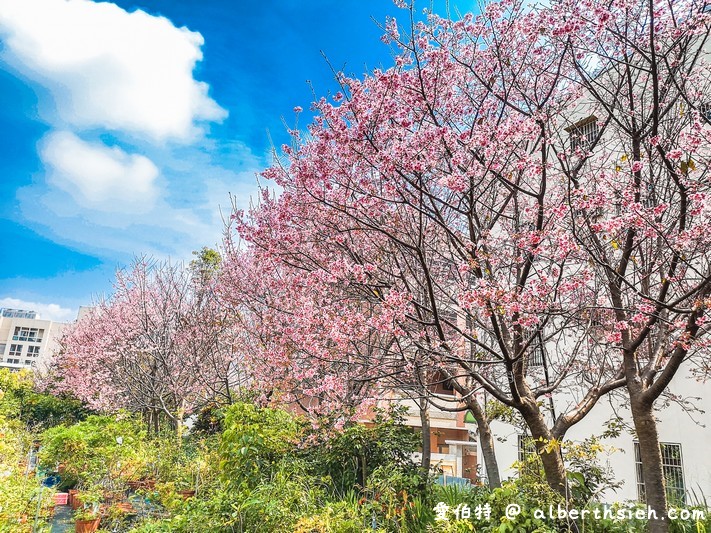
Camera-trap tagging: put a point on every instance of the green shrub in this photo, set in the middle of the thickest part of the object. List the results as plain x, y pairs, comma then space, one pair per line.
20, 400
350, 456
19, 492
98, 450
254, 441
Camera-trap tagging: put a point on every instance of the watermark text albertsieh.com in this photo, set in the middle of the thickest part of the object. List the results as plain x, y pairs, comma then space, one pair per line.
484, 512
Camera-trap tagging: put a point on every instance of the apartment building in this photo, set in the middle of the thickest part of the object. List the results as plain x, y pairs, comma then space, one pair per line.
27, 341
453, 438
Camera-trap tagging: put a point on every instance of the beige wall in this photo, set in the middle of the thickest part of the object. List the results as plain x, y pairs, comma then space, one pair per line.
29, 356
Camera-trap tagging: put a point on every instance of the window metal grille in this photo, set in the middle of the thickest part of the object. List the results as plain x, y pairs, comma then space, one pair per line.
673, 469
584, 133
526, 448
705, 111
537, 355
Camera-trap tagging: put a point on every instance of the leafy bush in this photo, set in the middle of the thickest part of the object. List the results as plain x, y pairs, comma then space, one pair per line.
99, 450
19, 491
349, 457
20, 400
254, 441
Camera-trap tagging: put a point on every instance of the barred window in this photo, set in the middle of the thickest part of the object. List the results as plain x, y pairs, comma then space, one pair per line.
583, 133
526, 447
537, 354
673, 470
705, 111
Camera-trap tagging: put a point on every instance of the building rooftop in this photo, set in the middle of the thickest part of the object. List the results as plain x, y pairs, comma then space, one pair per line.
17, 313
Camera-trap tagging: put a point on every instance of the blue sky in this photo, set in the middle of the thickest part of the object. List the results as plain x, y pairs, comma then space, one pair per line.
125, 127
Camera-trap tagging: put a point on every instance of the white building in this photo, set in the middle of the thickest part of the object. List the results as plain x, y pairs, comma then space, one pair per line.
27, 341
684, 435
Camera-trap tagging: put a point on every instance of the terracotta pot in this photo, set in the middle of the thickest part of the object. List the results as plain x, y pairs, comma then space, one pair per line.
76, 502
186, 493
86, 526
70, 498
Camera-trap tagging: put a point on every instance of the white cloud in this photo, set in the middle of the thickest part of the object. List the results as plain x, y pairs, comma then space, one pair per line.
105, 70
172, 228
109, 68
54, 312
100, 177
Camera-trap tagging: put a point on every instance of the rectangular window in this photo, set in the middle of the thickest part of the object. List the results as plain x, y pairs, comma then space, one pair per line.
18, 313
536, 355
28, 334
526, 447
15, 350
672, 468
28, 362
33, 351
583, 133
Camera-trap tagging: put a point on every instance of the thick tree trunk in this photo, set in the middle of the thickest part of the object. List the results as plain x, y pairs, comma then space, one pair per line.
486, 442
651, 457
553, 466
426, 444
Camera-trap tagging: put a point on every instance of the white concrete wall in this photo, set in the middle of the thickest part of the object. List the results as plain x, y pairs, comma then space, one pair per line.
690, 429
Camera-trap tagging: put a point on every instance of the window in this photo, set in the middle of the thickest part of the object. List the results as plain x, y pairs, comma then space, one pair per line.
15, 350
33, 351
18, 313
29, 362
526, 448
583, 133
537, 355
705, 111
28, 334
673, 473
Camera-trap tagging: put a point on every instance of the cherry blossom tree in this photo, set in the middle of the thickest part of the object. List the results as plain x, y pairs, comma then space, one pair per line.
521, 200
638, 196
159, 345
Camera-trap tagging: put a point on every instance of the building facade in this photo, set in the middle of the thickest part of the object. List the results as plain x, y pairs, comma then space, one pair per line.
27, 341
684, 425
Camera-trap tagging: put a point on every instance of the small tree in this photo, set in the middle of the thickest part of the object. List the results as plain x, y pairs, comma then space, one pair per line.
160, 345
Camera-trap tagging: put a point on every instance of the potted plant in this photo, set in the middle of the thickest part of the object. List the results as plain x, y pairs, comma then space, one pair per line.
88, 514
87, 520
186, 482
115, 517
